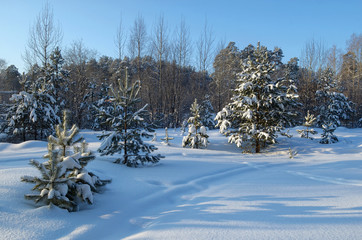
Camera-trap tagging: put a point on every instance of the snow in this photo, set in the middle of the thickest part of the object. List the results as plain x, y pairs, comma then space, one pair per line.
213, 193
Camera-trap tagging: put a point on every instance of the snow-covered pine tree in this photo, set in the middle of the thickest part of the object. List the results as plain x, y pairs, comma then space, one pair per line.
53, 183
207, 113
32, 113
71, 146
332, 107
328, 136
261, 105
305, 133
129, 126
37, 109
57, 80
197, 136
103, 104
67, 158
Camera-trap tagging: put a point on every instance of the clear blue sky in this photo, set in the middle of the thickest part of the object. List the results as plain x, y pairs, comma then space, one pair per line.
287, 24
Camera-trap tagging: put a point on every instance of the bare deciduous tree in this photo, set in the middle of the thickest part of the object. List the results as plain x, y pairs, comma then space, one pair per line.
120, 40
44, 37
138, 41
160, 51
77, 57
205, 48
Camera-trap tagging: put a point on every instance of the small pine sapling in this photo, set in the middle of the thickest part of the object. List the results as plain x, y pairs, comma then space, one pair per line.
197, 136
65, 181
166, 139
305, 133
53, 184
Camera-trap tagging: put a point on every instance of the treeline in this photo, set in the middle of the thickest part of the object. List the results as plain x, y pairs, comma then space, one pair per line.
76, 79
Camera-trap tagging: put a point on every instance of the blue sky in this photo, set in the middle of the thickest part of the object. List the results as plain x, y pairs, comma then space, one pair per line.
286, 24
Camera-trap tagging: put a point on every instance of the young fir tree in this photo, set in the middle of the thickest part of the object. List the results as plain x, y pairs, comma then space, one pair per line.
129, 127
207, 113
332, 107
197, 136
305, 133
65, 182
261, 105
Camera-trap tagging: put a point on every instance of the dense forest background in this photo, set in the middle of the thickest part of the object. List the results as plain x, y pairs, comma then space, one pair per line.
173, 71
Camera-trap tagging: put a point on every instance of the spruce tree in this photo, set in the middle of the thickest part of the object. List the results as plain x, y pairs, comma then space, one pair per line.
197, 136
261, 105
129, 126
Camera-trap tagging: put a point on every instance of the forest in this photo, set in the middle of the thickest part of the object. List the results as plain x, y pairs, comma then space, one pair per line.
172, 70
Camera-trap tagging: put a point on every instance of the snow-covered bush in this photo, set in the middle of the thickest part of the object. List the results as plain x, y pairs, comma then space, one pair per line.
197, 136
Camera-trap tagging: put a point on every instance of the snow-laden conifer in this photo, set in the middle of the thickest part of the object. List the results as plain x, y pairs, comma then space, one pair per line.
65, 181
328, 136
308, 131
207, 113
128, 124
332, 106
197, 136
32, 113
262, 104
53, 185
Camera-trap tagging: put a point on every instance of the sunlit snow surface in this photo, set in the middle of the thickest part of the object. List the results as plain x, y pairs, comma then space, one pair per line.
213, 193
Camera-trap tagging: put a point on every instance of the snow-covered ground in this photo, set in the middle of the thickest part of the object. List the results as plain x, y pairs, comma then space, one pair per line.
215, 193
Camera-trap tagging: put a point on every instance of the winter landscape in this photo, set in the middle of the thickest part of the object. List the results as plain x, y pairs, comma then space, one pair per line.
213, 193
165, 121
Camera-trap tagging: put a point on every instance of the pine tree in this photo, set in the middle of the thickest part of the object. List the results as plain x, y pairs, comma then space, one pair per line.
37, 109
332, 108
65, 181
53, 185
328, 136
197, 136
32, 113
57, 80
129, 127
207, 113
103, 104
305, 133
261, 105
